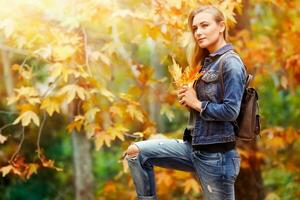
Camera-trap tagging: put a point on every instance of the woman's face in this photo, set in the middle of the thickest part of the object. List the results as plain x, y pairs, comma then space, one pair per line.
206, 30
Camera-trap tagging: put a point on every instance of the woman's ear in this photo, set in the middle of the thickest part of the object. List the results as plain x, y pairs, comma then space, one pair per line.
222, 26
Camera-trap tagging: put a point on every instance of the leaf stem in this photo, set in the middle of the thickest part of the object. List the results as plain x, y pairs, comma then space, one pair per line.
40, 133
19, 147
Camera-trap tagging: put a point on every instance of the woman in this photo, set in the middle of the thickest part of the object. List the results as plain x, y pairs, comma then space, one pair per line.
208, 147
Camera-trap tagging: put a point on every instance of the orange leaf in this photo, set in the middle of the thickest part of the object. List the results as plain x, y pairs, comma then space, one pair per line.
47, 162
31, 169
187, 77
191, 184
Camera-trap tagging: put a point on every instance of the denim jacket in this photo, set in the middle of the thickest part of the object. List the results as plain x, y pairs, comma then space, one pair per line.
214, 123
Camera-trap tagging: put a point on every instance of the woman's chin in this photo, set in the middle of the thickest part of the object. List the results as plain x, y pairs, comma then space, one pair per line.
202, 45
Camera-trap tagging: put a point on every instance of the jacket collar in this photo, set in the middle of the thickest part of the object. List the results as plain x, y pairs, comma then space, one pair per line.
222, 50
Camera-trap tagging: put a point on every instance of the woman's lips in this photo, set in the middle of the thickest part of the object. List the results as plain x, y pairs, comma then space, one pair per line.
200, 40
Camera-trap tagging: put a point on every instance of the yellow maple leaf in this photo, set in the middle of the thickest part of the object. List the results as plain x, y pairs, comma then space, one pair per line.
134, 112
95, 55
29, 93
77, 123
191, 184
165, 179
2, 138
91, 114
109, 95
56, 70
117, 131
187, 77
12, 100
25, 71
70, 91
61, 53
102, 138
51, 104
34, 100
8, 26
44, 52
26, 118
175, 71
6, 169
116, 111
174, 3
26, 107
31, 169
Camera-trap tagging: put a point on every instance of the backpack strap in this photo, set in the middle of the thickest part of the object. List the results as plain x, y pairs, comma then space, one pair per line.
223, 57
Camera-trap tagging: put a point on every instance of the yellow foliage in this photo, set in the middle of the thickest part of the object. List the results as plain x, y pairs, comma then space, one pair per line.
6, 169
24, 71
70, 91
77, 123
164, 179
2, 139
52, 104
31, 169
61, 53
165, 109
191, 185
102, 138
135, 113
28, 93
27, 117
187, 77
109, 95
27, 107
117, 131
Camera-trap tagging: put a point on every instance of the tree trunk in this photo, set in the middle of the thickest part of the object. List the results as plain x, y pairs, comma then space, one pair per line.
154, 108
83, 176
7, 77
249, 184
82, 167
242, 19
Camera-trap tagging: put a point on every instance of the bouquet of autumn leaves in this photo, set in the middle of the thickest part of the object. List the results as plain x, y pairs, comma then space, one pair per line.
186, 77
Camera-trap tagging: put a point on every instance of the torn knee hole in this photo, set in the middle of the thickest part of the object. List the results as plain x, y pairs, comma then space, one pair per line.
132, 151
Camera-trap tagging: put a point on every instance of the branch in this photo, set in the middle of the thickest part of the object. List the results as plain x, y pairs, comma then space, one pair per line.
8, 112
23, 52
19, 147
5, 126
85, 51
51, 87
40, 133
14, 50
132, 136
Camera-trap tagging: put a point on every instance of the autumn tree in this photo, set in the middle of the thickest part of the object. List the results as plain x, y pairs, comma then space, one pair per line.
106, 65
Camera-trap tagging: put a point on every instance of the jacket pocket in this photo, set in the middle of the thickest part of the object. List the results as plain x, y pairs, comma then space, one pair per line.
210, 79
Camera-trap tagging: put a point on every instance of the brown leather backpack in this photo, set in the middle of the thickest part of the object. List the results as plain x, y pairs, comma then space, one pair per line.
247, 124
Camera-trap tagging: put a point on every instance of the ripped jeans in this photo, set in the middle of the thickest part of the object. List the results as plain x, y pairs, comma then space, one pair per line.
216, 172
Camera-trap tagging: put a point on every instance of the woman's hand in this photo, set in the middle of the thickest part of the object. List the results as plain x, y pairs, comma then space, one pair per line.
187, 96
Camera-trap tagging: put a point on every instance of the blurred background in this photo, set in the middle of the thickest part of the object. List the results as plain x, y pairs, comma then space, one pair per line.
83, 79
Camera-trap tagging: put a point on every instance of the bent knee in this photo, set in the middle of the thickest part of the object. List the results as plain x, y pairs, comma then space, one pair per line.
133, 150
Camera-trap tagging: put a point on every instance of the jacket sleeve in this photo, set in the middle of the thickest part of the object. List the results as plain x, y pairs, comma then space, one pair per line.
234, 76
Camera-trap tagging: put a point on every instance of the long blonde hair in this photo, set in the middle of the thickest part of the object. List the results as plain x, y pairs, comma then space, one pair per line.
198, 53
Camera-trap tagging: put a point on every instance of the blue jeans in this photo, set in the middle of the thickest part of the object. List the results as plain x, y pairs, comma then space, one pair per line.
216, 171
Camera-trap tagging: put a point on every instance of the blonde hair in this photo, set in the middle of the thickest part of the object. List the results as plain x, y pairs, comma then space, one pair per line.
198, 54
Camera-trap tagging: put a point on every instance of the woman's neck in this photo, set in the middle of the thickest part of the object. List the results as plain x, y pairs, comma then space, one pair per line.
219, 44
